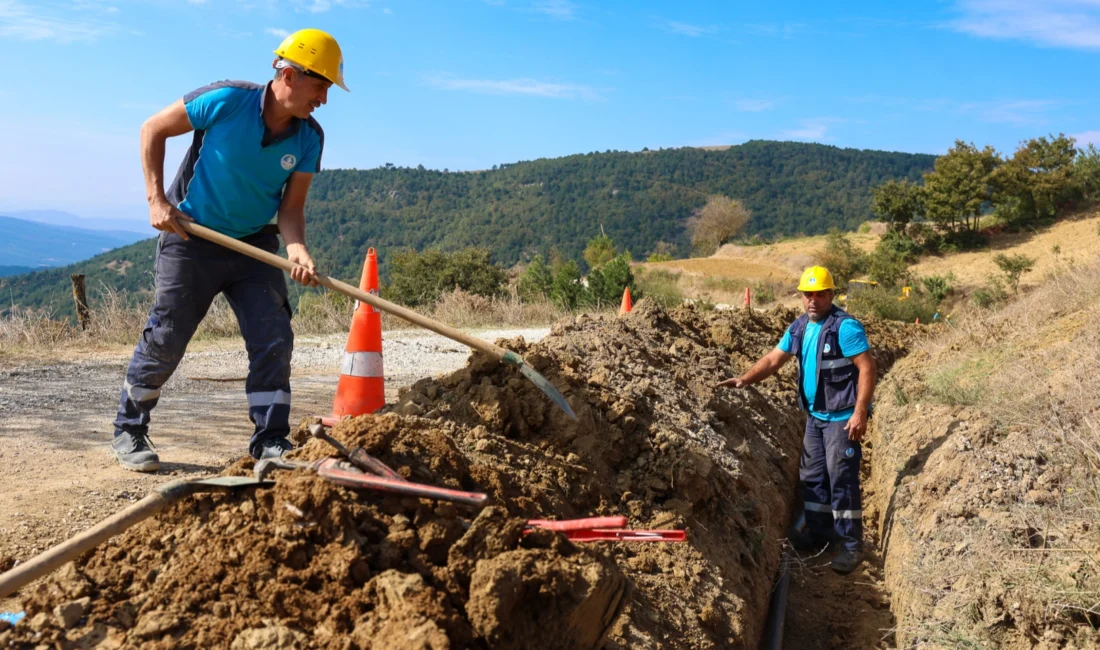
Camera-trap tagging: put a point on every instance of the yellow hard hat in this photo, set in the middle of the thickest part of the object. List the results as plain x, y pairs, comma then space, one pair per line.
816, 278
316, 52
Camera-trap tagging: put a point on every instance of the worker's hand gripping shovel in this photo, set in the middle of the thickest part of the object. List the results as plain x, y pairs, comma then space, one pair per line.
157, 500
505, 356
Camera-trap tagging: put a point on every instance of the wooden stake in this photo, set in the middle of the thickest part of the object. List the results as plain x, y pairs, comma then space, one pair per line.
81, 300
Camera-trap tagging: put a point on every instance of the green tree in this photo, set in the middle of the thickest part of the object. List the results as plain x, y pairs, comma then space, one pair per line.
1013, 266
420, 278
717, 222
599, 251
567, 291
537, 281
842, 258
1038, 180
898, 203
887, 266
959, 186
1087, 172
606, 283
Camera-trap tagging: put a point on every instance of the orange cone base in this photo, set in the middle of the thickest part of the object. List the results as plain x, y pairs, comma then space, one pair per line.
356, 396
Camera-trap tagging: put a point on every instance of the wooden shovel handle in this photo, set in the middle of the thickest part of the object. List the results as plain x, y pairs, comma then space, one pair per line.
45, 562
474, 342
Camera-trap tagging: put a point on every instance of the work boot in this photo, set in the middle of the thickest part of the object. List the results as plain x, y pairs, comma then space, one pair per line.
846, 561
134, 452
272, 448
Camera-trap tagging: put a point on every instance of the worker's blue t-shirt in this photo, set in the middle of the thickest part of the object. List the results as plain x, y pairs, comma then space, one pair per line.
232, 178
853, 341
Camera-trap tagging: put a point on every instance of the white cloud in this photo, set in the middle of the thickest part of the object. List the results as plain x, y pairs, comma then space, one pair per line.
1055, 23
20, 22
686, 29
816, 129
1087, 138
277, 32
1025, 112
559, 9
753, 105
530, 87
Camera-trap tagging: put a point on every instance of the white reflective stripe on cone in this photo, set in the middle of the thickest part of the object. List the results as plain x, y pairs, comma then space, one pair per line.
139, 394
847, 514
817, 507
268, 397
362, 364
835, 363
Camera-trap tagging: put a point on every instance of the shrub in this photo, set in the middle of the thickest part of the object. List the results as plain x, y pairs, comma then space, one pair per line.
939, 287
606, 283
1013, 266
884, 303
991, 295
842, 258
420, 278
567, 291
536, 282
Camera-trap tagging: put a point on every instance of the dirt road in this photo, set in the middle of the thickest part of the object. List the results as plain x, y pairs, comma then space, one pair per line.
59, 476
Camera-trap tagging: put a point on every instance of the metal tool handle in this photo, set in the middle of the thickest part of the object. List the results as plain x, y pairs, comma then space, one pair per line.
359, 457
578, 524
330, 470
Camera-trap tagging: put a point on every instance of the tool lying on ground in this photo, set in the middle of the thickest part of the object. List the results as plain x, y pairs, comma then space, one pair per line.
157, 500
596, 529
342, 473
358, 456
504, 356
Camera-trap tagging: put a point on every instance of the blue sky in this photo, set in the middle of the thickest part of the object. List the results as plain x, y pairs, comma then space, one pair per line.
466, 84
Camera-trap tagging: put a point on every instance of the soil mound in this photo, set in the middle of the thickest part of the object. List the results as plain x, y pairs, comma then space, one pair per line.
307, 564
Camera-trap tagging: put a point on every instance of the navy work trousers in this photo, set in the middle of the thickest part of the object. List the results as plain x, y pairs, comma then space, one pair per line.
189, 274
830, 479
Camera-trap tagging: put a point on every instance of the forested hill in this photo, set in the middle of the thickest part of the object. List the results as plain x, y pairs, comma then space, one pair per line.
523, 208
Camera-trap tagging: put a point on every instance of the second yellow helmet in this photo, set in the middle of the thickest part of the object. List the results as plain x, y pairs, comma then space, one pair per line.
315, 51
816, 278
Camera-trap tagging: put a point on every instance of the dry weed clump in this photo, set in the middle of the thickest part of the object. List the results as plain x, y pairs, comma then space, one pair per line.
987, 476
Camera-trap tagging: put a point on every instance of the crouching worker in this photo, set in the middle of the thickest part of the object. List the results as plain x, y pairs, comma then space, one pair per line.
837, 378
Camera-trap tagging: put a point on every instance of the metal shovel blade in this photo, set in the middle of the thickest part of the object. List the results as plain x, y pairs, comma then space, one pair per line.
544, 385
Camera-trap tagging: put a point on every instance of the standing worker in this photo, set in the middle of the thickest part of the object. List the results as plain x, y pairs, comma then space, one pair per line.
253, 156
836, 377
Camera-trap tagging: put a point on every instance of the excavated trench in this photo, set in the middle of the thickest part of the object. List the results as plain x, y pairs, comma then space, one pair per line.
307, 564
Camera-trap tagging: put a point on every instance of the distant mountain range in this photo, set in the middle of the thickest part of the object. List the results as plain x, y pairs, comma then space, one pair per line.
35, 245
62, 218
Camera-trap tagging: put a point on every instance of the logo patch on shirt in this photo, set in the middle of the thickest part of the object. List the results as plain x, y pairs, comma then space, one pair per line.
849, 452
288, 162
828, 349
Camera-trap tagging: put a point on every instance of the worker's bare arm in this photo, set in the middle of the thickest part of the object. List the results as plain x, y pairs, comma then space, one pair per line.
169, 122
767, 366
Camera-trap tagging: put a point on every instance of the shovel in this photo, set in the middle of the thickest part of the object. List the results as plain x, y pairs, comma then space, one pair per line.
159, 499
500, 354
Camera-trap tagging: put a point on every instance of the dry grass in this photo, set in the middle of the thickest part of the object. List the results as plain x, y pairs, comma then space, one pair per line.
1030, 366
116, 321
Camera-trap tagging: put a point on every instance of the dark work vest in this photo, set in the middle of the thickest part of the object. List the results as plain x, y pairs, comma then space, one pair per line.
837, 376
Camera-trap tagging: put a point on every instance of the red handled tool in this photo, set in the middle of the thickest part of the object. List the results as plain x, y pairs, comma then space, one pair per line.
596, 529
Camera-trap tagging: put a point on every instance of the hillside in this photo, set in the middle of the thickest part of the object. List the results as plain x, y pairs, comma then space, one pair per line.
524, 208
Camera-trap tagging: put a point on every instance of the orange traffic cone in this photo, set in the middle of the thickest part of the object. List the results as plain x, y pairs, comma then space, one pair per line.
627, 305
362, 383
748, 298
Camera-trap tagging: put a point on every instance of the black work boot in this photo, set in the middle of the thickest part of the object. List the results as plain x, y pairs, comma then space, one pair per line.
846, 561
134, 452
272, 448
808, 543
